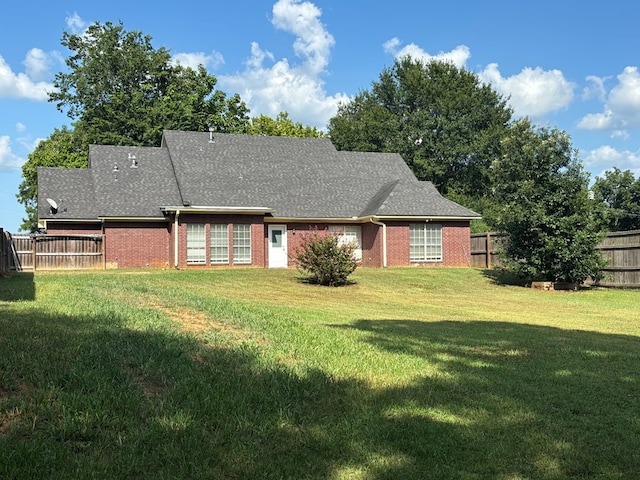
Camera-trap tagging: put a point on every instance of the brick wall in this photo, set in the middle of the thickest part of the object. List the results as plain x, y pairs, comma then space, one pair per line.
372, 245
455, 242
150, 245
138, 245
456, 245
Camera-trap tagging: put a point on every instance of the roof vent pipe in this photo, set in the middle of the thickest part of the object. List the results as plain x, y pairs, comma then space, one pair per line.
211, 140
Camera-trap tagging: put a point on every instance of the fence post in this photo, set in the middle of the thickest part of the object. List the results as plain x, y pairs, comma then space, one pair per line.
103, 250
488, 249
33, 251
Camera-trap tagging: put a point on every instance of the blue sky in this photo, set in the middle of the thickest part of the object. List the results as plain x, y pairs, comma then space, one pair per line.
568, 65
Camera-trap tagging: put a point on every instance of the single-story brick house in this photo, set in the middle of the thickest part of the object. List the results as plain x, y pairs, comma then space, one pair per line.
204, 200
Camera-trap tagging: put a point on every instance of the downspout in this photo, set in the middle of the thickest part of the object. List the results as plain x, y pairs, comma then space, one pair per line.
175, 239
384, 240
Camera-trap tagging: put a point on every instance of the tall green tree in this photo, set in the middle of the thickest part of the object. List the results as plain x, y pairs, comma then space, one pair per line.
282, 126
443, 120
120, 90
543, 207
619, 194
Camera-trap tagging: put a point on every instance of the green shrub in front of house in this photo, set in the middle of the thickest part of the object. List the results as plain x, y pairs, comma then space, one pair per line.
324, 260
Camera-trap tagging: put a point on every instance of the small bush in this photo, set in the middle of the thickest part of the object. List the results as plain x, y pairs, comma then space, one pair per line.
324, 260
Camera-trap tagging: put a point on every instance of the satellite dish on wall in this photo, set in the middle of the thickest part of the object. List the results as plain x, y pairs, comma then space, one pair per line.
53, 204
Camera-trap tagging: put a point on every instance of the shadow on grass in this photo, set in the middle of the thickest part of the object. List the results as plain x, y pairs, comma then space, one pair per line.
88, 397
501, 276
516, 401
17, 286
308, 280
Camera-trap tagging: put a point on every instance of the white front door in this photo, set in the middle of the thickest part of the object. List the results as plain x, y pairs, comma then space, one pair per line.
278, 246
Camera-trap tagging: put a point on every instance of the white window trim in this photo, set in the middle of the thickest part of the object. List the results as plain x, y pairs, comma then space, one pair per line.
196, 244
222, 228
430, 242
241, 260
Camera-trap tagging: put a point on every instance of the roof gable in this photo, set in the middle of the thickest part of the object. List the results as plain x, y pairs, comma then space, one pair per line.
132, 181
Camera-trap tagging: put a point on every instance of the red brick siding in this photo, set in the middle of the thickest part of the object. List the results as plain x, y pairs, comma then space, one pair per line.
137, 245
372, 245
456, 245
296, 233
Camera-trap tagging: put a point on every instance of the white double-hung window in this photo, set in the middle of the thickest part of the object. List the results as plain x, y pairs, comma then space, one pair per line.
425, 242
349, 234
219, 243
241, 243
196, 247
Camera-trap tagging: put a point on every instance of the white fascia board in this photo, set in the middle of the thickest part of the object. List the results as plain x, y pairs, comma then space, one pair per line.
133, 219
219, 209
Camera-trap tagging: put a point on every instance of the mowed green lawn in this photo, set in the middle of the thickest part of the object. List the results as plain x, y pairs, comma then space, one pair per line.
411, 373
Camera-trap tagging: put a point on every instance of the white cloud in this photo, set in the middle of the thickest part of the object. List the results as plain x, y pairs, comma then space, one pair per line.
76, 24
282, 86
596, 88
458, 56
7, 158
38, 64
621, 106
313, 42
601, 159
21, 85
533, 92
192, 60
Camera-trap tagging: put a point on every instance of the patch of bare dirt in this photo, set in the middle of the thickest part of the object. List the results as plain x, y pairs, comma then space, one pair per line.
149, 388
195, 321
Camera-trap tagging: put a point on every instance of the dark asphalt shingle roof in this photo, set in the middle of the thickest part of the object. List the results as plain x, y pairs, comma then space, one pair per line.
70, 188
295, 177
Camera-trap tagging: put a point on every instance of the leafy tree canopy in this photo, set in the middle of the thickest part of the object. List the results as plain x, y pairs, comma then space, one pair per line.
445, 123
282, 126
618, 192
542, 205
120, 90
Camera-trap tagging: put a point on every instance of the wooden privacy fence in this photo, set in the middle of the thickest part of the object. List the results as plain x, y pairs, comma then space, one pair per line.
620, 249
484, 248
53, 252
